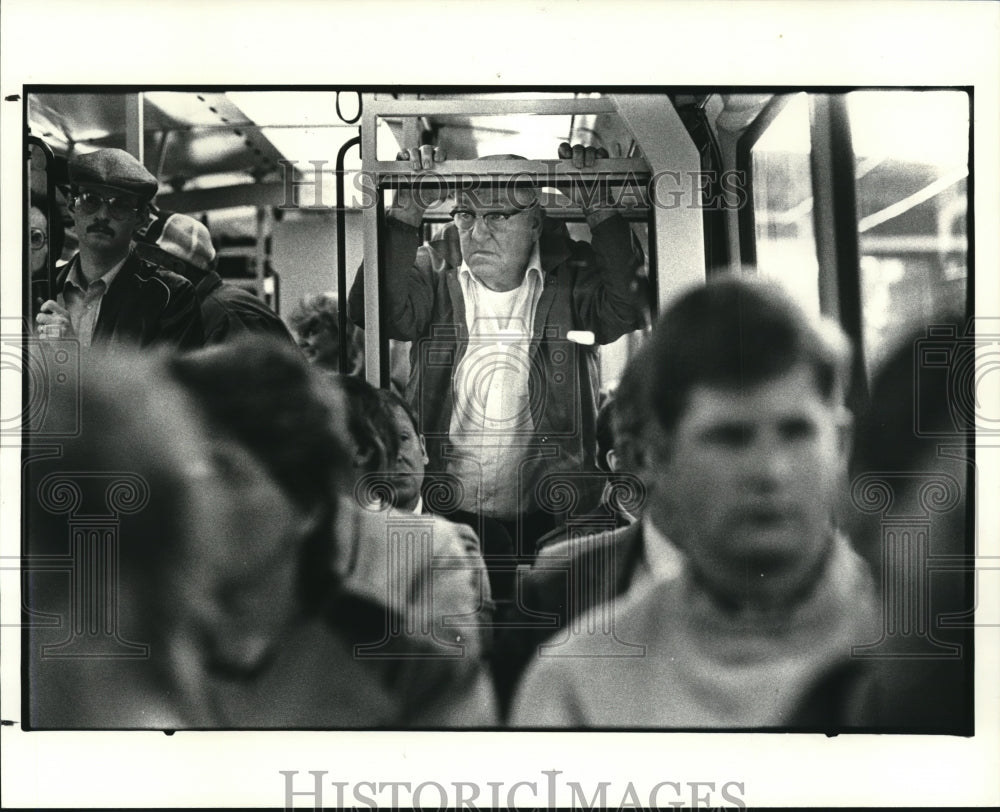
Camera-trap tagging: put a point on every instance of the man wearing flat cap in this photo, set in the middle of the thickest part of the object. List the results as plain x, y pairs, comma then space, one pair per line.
107, 295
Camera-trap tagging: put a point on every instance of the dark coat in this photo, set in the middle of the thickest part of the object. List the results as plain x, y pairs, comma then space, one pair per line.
145, 305
228, 311
557, 589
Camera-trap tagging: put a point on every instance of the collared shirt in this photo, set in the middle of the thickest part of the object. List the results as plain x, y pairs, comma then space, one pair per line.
491, 424
83, 300
661, 560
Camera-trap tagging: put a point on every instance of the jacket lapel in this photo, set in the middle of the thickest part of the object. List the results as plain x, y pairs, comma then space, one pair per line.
123, 288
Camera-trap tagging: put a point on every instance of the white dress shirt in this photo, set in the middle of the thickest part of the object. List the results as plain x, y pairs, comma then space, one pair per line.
491, 425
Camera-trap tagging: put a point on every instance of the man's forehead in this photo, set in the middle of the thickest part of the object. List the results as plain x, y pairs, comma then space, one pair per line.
498, 198
795, 391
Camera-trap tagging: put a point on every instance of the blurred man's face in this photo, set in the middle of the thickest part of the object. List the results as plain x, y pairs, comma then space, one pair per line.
102, 227
496, 236
408, 473
749, 478
244, 550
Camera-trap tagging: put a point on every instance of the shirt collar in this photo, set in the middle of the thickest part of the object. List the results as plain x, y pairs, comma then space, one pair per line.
420, 506
75, 276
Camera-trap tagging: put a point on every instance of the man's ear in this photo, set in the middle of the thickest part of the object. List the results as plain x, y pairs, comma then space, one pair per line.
611, 459
537, 219
423, 449
659, 447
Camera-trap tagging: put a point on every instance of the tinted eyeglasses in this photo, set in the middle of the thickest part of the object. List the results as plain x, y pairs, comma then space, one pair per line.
120, 208
39, 239
495, 221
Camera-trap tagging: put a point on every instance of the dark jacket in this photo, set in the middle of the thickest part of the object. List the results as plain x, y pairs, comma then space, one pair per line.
588, 287
145, 305
555, 590
228, 311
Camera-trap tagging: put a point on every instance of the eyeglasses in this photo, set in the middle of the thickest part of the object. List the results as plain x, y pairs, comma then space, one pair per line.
38, 238
495, 221
120, 208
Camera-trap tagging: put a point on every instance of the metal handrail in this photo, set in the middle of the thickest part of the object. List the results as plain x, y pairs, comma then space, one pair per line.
342, 250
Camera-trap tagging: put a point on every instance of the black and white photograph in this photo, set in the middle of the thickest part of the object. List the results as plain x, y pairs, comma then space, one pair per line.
472, 435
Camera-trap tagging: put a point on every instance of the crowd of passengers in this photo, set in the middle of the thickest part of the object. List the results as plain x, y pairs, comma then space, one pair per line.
489, 541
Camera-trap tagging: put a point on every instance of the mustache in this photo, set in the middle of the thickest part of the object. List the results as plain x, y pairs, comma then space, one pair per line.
100, 228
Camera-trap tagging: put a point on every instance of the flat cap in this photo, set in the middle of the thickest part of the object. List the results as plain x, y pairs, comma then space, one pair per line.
115, 168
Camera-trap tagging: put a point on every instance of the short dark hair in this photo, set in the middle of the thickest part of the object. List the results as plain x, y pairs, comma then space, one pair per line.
370, 423
393, 400
263, 394
736, 331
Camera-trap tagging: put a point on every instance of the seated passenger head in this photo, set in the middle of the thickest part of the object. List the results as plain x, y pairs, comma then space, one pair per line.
266, 497
131, 462
373, 437
498, 226
750, 436
316, 324
630, 414
38, 223
408, 468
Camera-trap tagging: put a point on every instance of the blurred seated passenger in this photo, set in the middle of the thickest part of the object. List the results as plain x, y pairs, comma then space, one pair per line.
424, 567
749, 439
411, 456
183, 245
613, 511
284, 640
39, 248
38, 226
123, 676
409, 487
912, 446
315, 322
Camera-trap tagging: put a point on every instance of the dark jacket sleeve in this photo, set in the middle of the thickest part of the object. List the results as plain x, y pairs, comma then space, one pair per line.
409, 284
538, 612
180, 322
606, 290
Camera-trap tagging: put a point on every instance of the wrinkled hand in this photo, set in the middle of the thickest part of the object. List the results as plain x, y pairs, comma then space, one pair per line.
410, 204
53, 313
588, 195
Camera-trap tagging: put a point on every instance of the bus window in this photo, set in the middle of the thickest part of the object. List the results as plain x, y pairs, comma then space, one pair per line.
912, 164
783, 202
